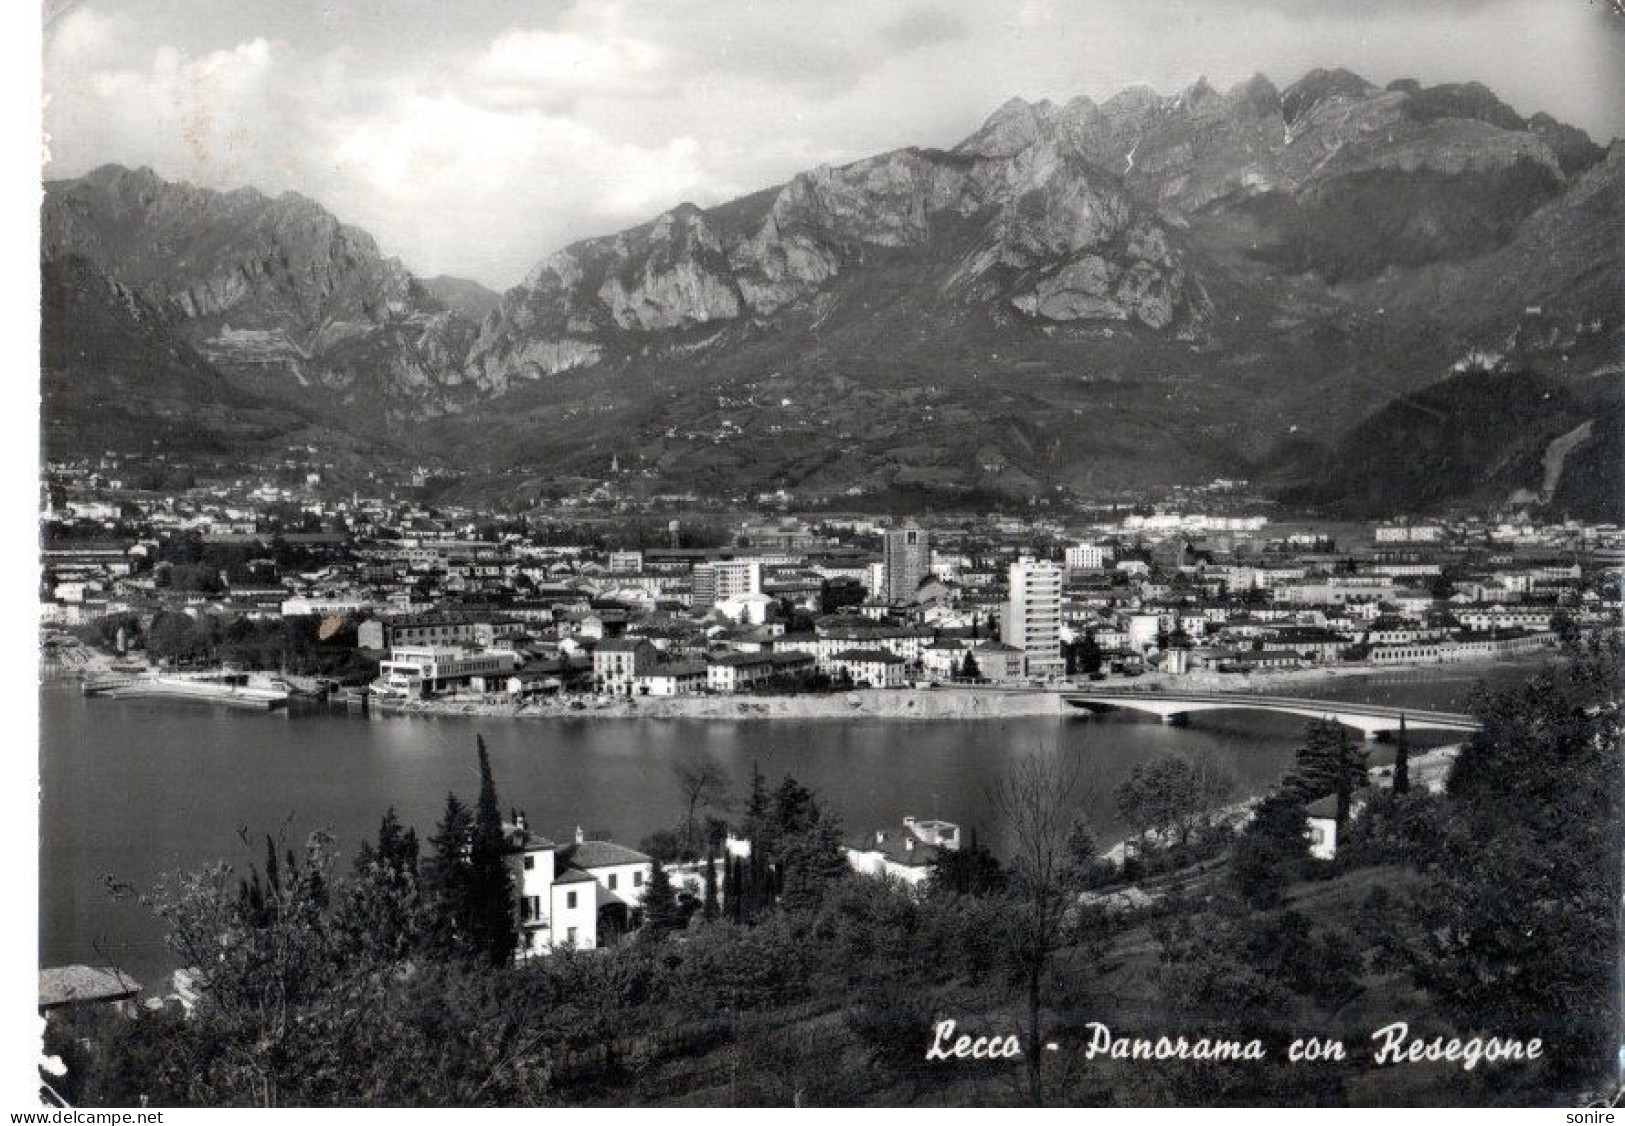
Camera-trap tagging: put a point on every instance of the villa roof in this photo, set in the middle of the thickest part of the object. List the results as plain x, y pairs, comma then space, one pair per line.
1322, 808
894, 846
601, 854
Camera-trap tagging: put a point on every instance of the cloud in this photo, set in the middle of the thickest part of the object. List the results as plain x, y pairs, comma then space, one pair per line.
542, 67
479, 139
462, 183
199, 118
923, 27
79, 36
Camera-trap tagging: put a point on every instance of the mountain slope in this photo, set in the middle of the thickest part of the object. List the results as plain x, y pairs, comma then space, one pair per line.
468, 299
1105, 297
275, 293
1491, 439
115, 376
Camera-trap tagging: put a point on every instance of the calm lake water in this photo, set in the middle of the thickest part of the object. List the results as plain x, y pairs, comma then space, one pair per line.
133, 788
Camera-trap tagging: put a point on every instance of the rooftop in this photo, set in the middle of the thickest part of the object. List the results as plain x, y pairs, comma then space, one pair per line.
69, 985
601, 854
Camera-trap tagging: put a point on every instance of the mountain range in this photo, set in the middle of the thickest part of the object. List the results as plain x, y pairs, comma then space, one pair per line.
1103, 298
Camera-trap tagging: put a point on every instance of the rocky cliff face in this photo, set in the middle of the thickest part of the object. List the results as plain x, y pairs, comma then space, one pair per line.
1073, 213
274, 292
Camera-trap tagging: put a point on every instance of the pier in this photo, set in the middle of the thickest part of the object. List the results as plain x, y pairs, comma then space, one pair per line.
237, 690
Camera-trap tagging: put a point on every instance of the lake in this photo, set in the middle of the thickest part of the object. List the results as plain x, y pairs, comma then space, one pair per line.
133, 788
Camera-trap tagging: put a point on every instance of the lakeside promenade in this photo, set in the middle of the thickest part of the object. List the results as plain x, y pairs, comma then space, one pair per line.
963, 702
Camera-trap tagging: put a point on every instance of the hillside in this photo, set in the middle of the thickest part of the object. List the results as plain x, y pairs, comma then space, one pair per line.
1490, 438
115, 376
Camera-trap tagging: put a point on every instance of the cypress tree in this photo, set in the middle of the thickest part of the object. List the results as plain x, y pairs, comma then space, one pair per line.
492, 924
1402, 761
710, 906
732, 894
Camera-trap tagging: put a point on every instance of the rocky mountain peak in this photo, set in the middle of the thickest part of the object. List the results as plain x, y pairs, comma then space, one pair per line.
1012, 127
1319, 86
1163, 264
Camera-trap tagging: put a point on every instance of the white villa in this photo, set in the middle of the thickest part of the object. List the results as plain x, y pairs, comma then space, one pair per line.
574, 895
903, 855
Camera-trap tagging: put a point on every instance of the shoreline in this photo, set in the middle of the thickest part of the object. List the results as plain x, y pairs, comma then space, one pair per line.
955, 702
945, 703
861, 703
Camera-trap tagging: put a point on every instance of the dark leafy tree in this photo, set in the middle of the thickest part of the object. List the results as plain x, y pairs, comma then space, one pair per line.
1331, 761
661, 912
451, 894
968, 870
1271, 852
1089, 656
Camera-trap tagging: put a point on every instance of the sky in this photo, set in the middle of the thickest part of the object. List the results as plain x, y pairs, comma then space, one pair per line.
474, 137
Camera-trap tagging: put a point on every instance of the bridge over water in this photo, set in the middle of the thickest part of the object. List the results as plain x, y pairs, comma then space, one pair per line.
1370, 719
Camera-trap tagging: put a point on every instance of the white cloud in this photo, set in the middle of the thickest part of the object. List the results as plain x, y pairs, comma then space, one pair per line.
476, 140
461, 183
80, 36
207, 118
550, 68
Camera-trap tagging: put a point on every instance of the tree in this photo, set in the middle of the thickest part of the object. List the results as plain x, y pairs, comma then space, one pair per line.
709, 907
1272, 849
1402, 761
1171, 793
1035, 800
491, 923
1089, 656
397, 848
703, 785
1520, 928
968, 870
450, 886
1329, 762
176, 637
808, 862
381, 908
661, 913
969, 669
262, 955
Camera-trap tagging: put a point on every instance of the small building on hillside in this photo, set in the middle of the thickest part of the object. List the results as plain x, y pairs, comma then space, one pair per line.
904, 855
579, 895
65, 987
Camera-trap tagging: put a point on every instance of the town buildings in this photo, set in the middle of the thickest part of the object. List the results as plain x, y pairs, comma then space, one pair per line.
1032, 618
439, 602
907, 561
